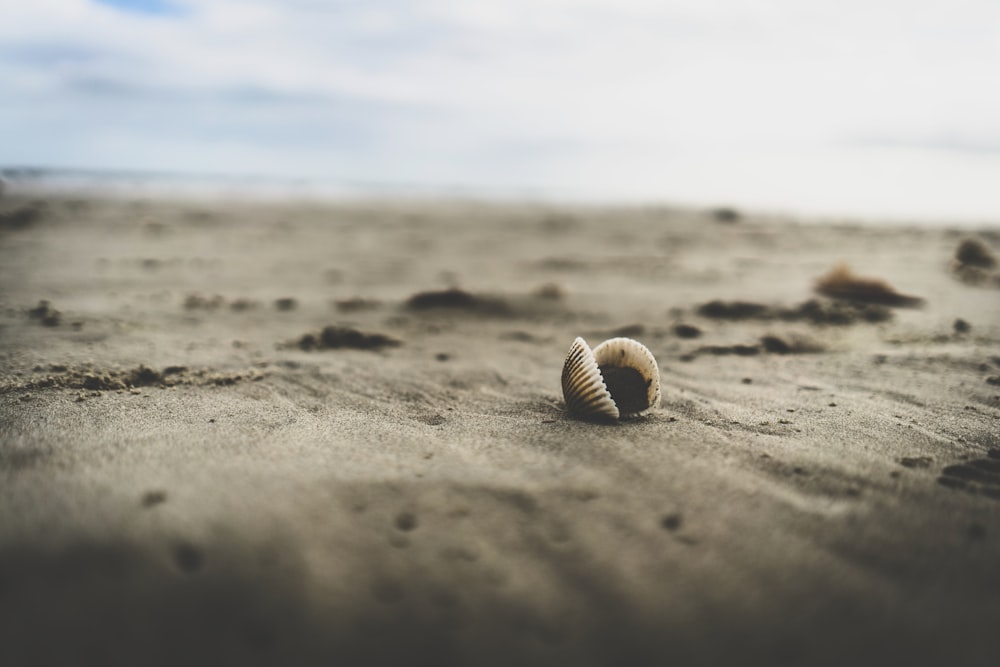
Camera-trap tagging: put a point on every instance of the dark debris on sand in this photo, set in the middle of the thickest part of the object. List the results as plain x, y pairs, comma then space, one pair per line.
45, 314
723, 350
813, 311
734, 310
770, 344
356, 304
726, 214
789, 345
457, 299
973, 252
242, 305
837, 313
552, 291
975, 263
337, 337
22, 217
843, 284
202, 302
775, 345
686, 331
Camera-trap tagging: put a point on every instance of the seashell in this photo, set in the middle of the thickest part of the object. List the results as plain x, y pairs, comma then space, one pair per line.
616, 380
583, 385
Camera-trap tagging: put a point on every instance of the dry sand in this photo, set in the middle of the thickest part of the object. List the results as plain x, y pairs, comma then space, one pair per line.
193, 470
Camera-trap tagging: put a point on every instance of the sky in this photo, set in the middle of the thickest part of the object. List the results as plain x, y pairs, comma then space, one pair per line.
863, 107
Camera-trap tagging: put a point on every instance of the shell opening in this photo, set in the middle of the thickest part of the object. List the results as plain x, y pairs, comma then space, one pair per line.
628, 388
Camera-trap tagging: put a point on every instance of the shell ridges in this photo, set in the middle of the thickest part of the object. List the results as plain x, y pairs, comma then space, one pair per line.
583, 386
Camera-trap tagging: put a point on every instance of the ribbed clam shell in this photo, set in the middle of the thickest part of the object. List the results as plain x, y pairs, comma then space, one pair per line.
583, 386
631, 375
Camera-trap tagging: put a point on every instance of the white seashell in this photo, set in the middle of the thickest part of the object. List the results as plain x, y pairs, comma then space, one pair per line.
630, 374
617, 379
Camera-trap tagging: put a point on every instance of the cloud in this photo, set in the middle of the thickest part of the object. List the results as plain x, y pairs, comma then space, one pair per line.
486, 91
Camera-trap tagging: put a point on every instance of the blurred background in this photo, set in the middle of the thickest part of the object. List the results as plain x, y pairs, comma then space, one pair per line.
880, 108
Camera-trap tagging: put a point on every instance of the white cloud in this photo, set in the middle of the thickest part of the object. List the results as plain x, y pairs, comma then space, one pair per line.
491, 91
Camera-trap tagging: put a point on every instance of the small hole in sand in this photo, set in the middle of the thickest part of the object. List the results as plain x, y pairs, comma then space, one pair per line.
153, 498
672, 522
188, 558
406, 521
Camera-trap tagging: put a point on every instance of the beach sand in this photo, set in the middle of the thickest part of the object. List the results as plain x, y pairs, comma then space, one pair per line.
233, 436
